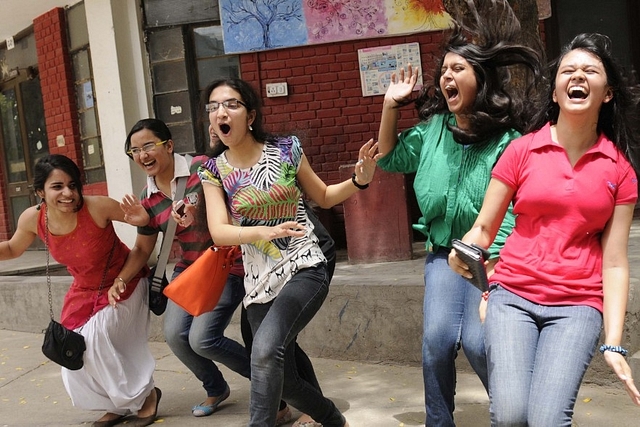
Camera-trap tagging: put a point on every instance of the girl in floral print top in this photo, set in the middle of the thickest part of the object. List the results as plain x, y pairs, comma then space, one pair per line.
253, 188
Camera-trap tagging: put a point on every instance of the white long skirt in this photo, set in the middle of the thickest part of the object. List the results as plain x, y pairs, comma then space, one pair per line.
117, 375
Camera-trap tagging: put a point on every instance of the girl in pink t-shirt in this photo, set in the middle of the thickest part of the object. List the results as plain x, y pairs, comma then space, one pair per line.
564, 270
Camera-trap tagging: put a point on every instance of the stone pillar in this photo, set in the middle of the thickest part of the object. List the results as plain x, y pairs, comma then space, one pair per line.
376, 220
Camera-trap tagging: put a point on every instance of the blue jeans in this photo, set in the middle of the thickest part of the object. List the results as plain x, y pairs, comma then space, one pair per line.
537, 358
198, 341
451, 320
275, 326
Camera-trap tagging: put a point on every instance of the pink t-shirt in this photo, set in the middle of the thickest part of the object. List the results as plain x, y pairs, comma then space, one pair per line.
554, 254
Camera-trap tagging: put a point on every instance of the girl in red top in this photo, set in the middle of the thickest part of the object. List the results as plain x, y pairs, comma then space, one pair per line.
563, 271
117, 375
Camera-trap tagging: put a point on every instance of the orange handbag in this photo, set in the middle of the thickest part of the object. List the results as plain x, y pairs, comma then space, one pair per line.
199, 287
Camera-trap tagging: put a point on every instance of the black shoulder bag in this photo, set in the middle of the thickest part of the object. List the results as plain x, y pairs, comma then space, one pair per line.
62, 345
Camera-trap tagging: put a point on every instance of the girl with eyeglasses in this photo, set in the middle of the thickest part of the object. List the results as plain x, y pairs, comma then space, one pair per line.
254, 189
199, 342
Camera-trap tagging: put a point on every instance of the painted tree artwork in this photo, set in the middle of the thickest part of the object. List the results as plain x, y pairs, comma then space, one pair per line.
251, 25
255, 25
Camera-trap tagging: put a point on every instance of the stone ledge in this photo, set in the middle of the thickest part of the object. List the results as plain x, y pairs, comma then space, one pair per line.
634, 363
361, 319
356, 322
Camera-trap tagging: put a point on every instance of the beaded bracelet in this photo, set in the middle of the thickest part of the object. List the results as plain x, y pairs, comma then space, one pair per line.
613, 348
360, 186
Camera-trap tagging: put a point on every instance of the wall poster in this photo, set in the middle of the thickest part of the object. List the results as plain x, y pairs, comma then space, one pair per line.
377, 63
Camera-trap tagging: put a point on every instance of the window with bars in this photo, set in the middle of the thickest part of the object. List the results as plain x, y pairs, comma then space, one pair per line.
93, 159
184, 43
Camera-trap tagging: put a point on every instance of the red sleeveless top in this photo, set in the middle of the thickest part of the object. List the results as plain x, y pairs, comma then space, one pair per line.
85, 252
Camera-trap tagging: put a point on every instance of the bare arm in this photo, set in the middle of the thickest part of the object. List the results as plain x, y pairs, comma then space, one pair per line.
398, 90
134, 212
615, 283
104, 209
24, 236
327, 196
224, 233
484, 230
136, 260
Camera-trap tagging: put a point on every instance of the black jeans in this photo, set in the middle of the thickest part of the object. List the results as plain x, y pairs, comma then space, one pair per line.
274, 373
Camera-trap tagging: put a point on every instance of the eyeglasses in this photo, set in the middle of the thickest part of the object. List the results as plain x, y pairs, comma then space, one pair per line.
229, 104
149, 146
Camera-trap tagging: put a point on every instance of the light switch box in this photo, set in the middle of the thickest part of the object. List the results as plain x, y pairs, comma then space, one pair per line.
277, 89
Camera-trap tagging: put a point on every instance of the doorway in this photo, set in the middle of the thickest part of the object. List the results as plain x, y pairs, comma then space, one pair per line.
23, 138
615, 18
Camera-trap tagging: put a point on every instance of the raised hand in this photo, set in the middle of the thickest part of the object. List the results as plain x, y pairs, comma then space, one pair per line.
401, 85
134, 212
366, 166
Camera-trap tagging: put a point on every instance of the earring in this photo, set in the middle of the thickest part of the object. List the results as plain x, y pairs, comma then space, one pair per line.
250, 128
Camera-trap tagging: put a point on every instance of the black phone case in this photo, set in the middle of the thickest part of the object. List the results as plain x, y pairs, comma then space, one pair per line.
180, 210
474, 258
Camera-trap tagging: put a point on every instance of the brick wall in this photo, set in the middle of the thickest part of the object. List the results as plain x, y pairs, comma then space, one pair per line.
56, 78
325, 106
58, 91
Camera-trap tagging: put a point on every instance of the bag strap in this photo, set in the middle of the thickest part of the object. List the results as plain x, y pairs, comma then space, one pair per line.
167, 239
46, 245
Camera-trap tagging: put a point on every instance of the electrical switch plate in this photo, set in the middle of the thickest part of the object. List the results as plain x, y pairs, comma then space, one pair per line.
277, 89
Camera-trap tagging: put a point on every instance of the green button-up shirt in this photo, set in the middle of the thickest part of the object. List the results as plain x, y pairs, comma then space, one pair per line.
451, 179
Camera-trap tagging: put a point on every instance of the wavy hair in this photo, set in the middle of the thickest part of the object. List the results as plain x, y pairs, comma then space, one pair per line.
487, 40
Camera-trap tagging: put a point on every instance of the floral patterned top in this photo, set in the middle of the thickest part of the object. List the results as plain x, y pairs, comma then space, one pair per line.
267, 194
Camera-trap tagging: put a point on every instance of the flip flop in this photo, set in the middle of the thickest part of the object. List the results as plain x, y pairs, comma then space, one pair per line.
203, 410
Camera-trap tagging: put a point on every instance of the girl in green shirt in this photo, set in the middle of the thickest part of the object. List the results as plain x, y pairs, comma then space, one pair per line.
466, 124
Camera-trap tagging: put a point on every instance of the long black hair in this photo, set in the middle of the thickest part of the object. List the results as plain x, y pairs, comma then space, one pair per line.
487, 40
48, 164
619, 118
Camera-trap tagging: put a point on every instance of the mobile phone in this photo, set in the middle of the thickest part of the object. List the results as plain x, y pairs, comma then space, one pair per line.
179, 208
474, 256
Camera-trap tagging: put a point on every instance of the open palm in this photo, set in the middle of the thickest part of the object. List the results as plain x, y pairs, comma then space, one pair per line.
401, 84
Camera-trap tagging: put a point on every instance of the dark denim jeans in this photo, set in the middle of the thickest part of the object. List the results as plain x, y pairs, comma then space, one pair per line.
274, 372
199, 341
